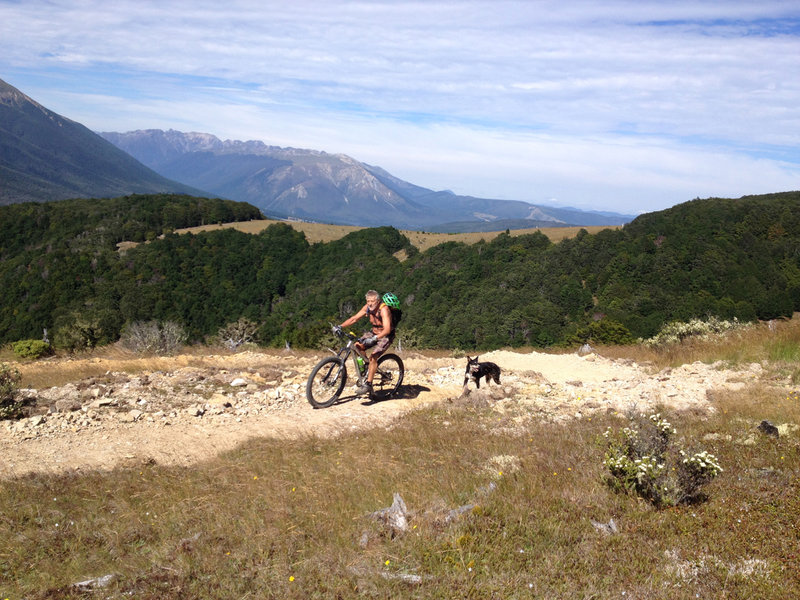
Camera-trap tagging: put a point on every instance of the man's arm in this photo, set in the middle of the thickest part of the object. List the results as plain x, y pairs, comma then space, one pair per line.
355, 318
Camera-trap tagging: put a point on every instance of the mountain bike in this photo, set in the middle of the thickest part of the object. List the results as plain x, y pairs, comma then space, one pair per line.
329, 376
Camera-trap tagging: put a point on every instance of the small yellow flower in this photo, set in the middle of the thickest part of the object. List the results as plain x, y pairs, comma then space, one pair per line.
291, 577
569, 468
554, 473
255, 477
500, 473
387, 562
293, 489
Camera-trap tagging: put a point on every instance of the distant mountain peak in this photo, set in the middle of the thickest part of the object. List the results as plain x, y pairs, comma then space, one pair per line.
317, 186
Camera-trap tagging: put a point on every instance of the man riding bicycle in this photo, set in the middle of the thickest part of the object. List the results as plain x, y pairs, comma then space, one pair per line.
380, 336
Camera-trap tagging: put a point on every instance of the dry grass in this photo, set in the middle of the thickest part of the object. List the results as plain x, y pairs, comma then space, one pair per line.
289, 519
320, 232
65, 368
777, 343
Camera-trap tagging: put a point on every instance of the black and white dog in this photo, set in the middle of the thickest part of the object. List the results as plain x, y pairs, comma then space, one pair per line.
476, 370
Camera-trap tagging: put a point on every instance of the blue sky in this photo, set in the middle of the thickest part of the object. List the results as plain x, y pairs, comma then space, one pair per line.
622, 106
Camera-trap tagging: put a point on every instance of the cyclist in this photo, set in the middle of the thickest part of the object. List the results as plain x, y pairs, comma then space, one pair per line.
381, 334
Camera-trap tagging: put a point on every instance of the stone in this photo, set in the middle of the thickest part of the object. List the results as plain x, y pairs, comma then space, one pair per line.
609, 528
219, 400
239, 382
768, 428
131, 416
67, 405
394, 516
96, 583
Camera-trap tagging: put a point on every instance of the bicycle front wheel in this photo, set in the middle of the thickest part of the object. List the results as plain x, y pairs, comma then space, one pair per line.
326, 382
388, 377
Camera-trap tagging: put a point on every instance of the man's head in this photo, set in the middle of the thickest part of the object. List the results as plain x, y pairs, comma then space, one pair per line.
373, 299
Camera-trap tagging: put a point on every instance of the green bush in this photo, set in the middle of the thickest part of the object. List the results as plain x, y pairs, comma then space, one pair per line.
604, 331
642, 461
32, 348
10, 407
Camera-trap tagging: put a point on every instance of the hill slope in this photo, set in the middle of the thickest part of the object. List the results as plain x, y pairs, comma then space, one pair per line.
44, 156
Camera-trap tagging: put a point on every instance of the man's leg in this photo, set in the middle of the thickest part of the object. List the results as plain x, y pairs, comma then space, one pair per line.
378, 351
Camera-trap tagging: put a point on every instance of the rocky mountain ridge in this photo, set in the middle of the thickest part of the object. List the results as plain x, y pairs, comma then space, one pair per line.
333, 188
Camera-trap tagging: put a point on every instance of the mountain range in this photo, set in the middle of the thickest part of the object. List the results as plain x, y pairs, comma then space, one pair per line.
45, 156
333, 188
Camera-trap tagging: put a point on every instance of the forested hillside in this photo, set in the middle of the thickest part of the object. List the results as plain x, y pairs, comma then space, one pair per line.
59, 265
722, 257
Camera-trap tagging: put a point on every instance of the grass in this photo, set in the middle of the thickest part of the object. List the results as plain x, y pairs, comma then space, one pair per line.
321, 232
777, 344
290, 518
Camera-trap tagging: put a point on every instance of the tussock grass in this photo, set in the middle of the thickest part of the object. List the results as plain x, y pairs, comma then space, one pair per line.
289, 519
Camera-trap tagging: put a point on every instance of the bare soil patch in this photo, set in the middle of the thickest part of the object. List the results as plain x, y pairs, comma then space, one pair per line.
186, 409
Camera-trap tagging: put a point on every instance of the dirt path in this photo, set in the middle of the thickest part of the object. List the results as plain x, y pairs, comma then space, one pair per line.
198, 408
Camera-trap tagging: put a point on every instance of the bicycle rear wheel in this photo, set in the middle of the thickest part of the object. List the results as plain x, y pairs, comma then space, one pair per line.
326, 382
388, 377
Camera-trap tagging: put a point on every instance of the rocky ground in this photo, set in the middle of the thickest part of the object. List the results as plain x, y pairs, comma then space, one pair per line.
186, 414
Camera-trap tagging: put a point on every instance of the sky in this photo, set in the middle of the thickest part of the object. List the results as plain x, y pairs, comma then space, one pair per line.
628, 107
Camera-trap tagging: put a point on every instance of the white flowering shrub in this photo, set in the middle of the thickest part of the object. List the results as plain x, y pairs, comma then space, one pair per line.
697, 470
676, 332
640, 460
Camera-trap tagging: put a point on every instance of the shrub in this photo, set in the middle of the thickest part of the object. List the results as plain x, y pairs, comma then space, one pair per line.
153, 337
32, 348
676, 332
235, 335
641, 461
76, 332
604, 331
10, 407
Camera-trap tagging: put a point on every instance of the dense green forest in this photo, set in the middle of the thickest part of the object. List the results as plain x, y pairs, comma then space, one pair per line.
61, 270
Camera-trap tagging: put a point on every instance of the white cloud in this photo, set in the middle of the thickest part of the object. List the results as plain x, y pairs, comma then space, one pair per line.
613, 104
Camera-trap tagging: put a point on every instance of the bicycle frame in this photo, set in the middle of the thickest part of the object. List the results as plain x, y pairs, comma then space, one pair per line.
350, 351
